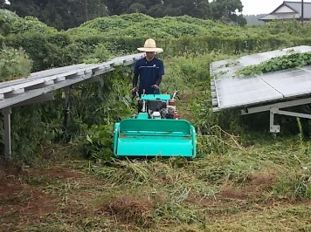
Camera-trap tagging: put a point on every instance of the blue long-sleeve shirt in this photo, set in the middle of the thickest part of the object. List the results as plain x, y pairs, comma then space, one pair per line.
148, 73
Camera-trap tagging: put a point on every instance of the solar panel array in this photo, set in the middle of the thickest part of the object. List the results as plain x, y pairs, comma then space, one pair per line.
44, 82
230, 91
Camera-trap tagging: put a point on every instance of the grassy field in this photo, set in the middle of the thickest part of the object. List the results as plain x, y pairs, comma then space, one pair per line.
262, 186
242, 180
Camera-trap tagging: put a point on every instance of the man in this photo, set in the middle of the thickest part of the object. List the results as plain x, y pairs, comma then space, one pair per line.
149, 70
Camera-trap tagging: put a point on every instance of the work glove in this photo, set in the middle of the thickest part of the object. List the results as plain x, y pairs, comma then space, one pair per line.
134, 90
155, 86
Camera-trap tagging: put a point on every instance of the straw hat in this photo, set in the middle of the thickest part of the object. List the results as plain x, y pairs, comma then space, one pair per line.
150, 46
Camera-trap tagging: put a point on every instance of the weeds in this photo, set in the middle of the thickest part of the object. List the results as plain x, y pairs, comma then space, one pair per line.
276, 64
294, 185
14, 64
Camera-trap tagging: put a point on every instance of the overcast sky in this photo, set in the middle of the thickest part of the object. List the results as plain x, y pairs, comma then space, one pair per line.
261, 6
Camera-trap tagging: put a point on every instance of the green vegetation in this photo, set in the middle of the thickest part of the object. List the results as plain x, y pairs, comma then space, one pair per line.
14, 63
276, 64
10, 23
61, 14
242, 180
64, 14
183, 39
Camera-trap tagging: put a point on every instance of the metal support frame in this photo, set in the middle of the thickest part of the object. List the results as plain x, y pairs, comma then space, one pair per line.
7, 137
41, 99
67, 106
7, 133
302, 12
276, 109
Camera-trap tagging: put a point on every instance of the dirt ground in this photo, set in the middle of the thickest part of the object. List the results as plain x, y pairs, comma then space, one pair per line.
66, 196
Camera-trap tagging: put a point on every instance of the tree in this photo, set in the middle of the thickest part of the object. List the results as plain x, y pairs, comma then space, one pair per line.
202, 9
137, 8
61, 14
64, 14
160, 8
129, 6
227, 11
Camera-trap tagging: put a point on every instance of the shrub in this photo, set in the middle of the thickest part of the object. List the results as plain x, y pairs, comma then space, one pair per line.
14, 63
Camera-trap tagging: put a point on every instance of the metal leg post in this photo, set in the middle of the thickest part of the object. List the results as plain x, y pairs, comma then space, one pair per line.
66, 113
273, 128
7, 133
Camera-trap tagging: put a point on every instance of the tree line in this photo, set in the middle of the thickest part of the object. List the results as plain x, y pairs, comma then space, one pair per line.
61, 14
64, 14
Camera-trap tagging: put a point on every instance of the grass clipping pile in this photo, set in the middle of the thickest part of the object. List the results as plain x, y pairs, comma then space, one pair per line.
128, 209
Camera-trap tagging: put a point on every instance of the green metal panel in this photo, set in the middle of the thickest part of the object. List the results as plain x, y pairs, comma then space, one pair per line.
145, 137
156, 97
155, 146
163, 125
142, 116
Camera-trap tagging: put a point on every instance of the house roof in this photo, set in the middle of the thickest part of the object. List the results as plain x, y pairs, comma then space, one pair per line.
295, 6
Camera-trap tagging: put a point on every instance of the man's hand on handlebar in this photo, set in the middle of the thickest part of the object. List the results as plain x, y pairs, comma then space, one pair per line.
155, 86
134, 90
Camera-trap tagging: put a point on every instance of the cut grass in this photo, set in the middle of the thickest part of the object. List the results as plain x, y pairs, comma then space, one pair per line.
236, 191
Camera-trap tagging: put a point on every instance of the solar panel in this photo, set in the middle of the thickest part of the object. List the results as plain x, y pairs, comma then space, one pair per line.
234, 93
40, 83
291, 84
230, 91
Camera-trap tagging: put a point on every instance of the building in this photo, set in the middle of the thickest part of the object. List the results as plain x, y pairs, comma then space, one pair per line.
289, 10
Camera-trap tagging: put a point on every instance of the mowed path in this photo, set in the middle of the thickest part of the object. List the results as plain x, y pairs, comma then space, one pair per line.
66, 195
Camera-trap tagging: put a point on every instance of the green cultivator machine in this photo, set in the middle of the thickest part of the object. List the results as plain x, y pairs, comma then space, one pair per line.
155, 131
